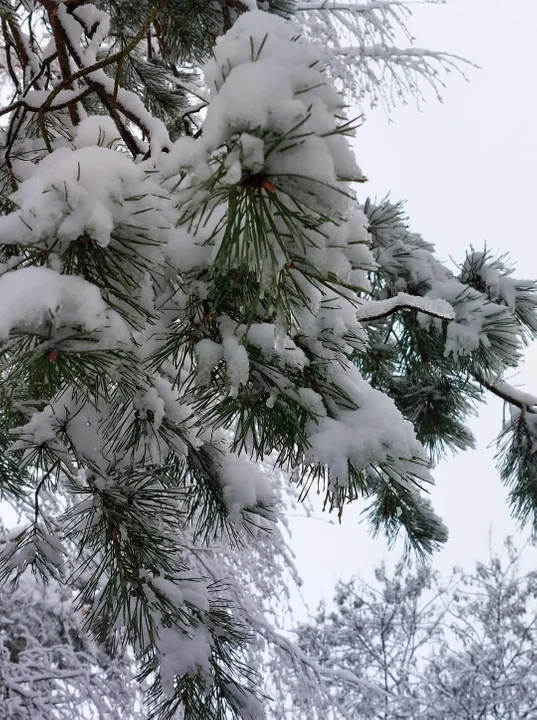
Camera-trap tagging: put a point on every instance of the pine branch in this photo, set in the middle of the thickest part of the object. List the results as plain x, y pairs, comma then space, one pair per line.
380, 309
510, 395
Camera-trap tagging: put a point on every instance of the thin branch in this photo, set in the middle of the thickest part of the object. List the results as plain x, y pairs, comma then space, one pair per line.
350, 7
439, 309
523, 401
101, 64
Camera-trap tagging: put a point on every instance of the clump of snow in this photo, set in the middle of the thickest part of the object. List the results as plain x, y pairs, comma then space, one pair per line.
96, 130
76, 192
271, 103
312, 401
265, 337
209, 354
250, 706
244, 486
182, 653
495, 278
235, 355
150, 406
20, 549
37, 296
370, 433
515, 394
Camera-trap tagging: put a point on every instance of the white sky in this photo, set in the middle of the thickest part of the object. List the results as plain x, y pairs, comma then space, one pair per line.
467, 170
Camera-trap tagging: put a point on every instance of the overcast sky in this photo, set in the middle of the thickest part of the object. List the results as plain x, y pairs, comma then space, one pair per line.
467, 169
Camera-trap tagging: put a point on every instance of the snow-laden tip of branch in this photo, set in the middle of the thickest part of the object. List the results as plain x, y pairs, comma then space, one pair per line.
378, 309
512, 395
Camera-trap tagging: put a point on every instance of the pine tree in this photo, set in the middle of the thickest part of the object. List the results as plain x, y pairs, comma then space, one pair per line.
188, 283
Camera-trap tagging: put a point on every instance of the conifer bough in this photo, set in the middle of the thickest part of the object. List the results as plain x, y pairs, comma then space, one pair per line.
188, 283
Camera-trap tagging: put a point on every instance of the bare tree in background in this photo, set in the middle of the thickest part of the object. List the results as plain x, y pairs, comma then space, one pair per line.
464, 649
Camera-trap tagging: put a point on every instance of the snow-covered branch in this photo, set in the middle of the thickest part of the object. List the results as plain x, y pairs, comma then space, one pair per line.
378, 309
511, 395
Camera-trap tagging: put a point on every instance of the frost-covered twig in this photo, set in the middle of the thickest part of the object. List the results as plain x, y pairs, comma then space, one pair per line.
363, 44
352, 7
